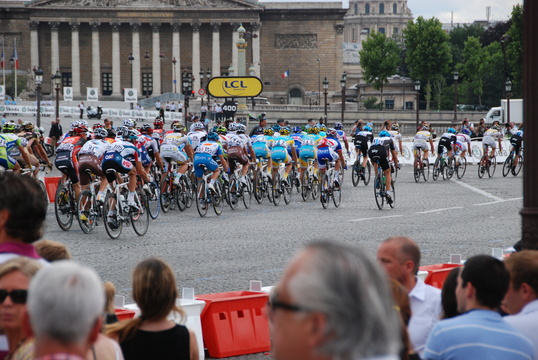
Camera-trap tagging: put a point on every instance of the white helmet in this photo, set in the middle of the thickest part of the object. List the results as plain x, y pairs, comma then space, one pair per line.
128, 123
198, 126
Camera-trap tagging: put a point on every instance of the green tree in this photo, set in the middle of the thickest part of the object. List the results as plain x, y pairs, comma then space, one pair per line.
459, 35
472, 67
379, 57
428, 51
514, 51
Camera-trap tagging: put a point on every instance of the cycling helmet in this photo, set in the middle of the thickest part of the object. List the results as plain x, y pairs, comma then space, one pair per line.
466, 131
221, 130
426, 127
367, 128
198, 126
100, 133
496, 127
296, 130
213, 136
28, 126
158, 124
73, 125
323, 128
285, 131
97, 126
41, 130
146, 129
83, 123
276, 128
120, 130
395, 127
215, 129
332, 133
338, 126
384, 133
268, 132
241, 128
80, 128
177, 127
129, 135
451, 130
9, 127
128, 123
313, 130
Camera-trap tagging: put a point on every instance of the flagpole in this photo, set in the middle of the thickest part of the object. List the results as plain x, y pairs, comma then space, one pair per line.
288, 92
3, 64
15, 64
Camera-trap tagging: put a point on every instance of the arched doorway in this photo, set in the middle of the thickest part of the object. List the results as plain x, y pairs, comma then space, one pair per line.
296, 96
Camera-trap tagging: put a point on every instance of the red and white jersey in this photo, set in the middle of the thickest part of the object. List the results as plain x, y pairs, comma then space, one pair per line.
95, 147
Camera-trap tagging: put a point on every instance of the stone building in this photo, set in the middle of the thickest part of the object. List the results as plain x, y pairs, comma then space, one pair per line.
147, 44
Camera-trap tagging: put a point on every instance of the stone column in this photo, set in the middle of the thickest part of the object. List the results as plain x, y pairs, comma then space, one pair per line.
256, 48
54, 47
235, 39
116, 74
96, 56
196, 55
176, 69
135, 46
339, 38
215, 56
34, 44
75, 59
156, 61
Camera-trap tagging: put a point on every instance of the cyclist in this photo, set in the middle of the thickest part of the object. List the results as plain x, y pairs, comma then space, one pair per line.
151, 145
262, 144
124, 157
67, 154
421, 140
361, 140
339, 127
297, 136
197, 135
396, 137
177, 147
283, 147
308, 150
90, 158
379, 153
517, 141
330, 149
461, 139
239, 149
491, 136
203, 156
11, 147
158, 129
448, 141
34, 145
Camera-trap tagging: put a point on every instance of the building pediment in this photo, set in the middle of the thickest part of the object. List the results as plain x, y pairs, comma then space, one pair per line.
137, 4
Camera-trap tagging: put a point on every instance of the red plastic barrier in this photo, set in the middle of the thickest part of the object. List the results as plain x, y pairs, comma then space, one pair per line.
51, 183
124, 314
437, 273
235, 323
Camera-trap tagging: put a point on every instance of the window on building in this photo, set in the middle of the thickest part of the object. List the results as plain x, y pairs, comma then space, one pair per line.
409, 105
381, 8
67, 79
381, 30
365, 31
395, 31
147, 84
353, 35
389, 104
367, 8
394, 9
106, 83
356, 9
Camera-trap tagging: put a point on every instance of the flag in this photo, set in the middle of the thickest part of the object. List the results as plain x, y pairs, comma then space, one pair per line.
286, 74
2, 60
15, 56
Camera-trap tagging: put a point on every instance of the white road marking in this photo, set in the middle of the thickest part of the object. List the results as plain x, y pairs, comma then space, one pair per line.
477, 190
376, 218
499, 201
439, 210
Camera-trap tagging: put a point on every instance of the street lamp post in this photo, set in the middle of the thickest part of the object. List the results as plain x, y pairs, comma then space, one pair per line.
508, 88
202, 74
174, 62
131, 60
325, 88
161, 57
57, 82
343, 83
403, 81
146, 57
417, 89
319, 79
456, 77
208, 76
14, 67
38, 74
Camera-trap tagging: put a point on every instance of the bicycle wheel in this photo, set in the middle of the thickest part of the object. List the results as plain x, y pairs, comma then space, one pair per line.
166, 193
305, 184
517, 168
449, 169
154, 200
394, 172
287, 189
367, 173
113, 225
355, 173
63, 207
426, 169
507, 166
182, 194
436, 169
492, 166
461, 167
140, 216
275, 189
324, 196
294, 179
392, 193
315, 185
86, 215
482, 168
217, 198
201, 198
379, 191
337, 195
44, 190
232, 195
416, 170
258, 187
247, 193
49, 150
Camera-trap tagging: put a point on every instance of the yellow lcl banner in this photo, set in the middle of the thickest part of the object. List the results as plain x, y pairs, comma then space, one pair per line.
236, 87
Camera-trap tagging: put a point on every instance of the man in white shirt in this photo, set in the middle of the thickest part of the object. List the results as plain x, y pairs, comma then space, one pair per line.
173, 107
521, 299
158, 105
400, 257
180, 106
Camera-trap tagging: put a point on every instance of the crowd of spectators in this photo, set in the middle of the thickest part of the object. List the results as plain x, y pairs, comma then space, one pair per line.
333, 301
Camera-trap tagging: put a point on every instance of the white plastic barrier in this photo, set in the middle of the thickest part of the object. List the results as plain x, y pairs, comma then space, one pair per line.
193, 309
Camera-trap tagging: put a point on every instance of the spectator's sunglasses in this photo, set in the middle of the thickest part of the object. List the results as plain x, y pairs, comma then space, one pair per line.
17, 296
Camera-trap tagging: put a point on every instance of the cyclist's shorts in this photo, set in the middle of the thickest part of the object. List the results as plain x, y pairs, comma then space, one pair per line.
423, 147
444, 142
279, 155
379, 153
459, 147
115, 161
144, 158
326, 154
516, 141
7, 162
489, 142
363, 147
171, 151
64, 163
261, 150
201, 160
91, 163
307, 152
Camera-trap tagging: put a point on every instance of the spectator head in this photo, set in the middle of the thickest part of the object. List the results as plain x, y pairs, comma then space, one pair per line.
52, 250
23, 208
448, 294
332, 302
523, 269
483, 282
110, 292
65, 305
280, 122
400, 257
